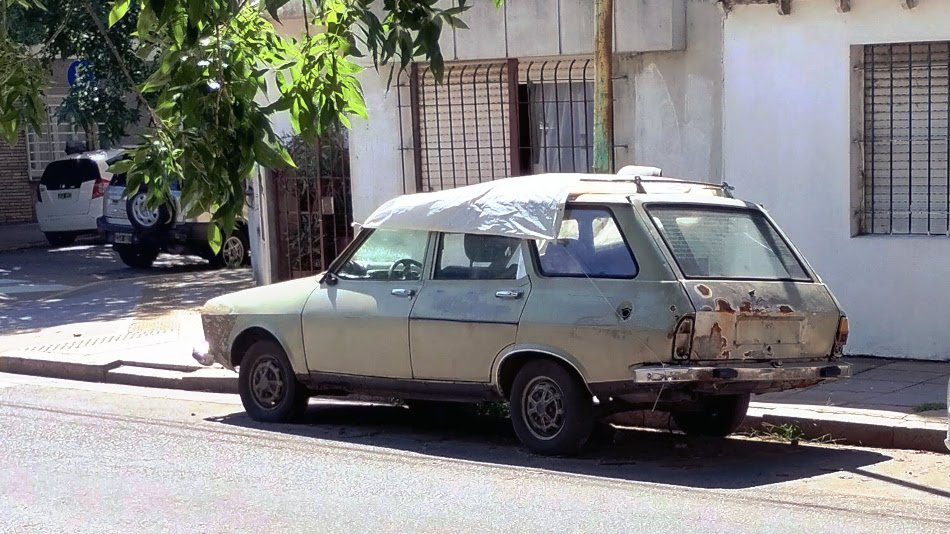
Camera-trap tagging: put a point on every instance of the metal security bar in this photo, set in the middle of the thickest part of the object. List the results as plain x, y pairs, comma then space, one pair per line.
50, 144
906, 148
488, 121
313, 207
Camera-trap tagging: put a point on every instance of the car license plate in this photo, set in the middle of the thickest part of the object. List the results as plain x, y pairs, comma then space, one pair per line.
123, 238
65, 195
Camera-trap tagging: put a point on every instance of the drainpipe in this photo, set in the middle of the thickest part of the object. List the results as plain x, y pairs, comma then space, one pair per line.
603, 87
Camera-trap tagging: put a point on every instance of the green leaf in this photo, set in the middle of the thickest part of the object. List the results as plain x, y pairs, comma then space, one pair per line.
118, 11
215, 239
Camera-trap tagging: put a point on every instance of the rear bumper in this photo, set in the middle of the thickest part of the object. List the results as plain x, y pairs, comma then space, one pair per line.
741, 373
178, 234
85, 223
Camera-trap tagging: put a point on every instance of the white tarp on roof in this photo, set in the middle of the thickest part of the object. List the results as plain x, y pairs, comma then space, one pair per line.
528, 207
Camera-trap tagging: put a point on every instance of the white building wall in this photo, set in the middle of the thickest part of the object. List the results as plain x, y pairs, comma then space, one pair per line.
668, 87
788, 144
676, 102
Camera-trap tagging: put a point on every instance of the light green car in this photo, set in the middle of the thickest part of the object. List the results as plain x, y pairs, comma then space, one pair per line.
570, 296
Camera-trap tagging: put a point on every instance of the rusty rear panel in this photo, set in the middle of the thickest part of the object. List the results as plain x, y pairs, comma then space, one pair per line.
757, 320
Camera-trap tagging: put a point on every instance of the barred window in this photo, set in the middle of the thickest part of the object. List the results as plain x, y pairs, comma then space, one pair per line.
906, 175
492, 120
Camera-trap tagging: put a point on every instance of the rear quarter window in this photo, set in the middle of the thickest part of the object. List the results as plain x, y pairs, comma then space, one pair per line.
589, 244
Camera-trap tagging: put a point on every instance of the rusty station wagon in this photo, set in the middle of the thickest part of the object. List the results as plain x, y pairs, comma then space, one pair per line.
571, 296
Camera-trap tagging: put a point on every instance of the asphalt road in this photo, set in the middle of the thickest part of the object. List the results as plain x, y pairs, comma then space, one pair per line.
84, 457
42, 288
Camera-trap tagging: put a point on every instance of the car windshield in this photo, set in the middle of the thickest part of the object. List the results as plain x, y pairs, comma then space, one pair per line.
726, 243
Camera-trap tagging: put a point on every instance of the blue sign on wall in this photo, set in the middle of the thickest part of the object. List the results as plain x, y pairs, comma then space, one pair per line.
71, 70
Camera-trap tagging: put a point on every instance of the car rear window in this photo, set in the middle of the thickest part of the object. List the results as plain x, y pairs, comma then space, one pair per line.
726, 243
69, 173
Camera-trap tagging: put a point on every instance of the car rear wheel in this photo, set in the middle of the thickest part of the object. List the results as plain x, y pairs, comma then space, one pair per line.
60, 239
136, 256
551, 410
269, 389
235, 251
719, 416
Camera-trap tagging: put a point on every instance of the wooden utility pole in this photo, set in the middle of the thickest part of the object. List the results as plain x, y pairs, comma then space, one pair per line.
603, 86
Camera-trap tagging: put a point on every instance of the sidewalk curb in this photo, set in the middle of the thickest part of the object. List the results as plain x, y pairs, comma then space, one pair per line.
849, 427
209, 380
206, 380
55, 369
866, 428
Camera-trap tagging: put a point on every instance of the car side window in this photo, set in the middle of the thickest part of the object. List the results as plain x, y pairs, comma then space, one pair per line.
589, 243
387, 255
478, 257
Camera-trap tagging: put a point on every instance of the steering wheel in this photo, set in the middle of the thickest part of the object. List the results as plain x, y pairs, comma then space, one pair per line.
405, 267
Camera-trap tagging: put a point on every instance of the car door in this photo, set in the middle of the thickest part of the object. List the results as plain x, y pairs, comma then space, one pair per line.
357, 322
469, 310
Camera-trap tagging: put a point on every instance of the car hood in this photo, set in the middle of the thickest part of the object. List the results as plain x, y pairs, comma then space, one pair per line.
282, 298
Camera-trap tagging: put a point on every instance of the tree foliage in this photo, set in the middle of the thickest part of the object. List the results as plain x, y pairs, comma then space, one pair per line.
100, 99
213, 60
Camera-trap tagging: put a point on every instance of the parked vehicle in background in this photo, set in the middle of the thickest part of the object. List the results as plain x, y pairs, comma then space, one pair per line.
571, 296
70, 195
139, 233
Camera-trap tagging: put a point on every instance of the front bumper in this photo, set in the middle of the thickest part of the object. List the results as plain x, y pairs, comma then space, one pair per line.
202, 354
741, 373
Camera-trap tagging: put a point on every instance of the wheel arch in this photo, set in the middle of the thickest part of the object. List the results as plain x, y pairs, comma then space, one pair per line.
243, 341
509, 363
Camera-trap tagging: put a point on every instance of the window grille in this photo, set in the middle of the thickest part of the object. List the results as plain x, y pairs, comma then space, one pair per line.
906, 150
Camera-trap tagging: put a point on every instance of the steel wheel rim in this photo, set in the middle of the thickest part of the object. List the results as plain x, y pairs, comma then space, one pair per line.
267, 383
542, 408
141, 213
232, 251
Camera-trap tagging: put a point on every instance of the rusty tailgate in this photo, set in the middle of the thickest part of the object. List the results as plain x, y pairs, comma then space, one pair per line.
761, 320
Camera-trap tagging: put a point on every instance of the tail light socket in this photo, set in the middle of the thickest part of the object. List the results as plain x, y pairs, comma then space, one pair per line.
683, 338
841, 336
100, 187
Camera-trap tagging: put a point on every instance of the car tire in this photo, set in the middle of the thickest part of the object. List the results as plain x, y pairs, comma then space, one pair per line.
60, 239
552, 412
268, 385
720, 416
235, 251
143, 218
137, 256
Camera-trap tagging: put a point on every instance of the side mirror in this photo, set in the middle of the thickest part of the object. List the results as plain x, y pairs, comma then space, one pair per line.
328, 278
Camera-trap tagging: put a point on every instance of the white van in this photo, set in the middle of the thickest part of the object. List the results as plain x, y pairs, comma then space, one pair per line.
71, 193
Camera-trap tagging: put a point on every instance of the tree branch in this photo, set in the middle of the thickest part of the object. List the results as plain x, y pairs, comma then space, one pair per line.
122, 66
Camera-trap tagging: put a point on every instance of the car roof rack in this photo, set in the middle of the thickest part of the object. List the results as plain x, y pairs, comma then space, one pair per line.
640, 180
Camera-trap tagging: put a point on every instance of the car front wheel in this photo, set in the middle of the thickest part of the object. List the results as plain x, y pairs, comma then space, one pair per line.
136, 256
551, 410
719, 416
269, 389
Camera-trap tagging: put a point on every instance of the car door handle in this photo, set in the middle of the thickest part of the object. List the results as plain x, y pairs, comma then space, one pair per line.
401, 292
508, 294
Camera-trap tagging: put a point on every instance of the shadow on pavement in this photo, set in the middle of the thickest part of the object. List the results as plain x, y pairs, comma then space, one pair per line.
112, 291
625, 454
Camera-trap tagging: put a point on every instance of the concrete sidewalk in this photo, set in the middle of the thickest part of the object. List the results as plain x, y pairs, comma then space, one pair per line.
887, 403
19, 236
